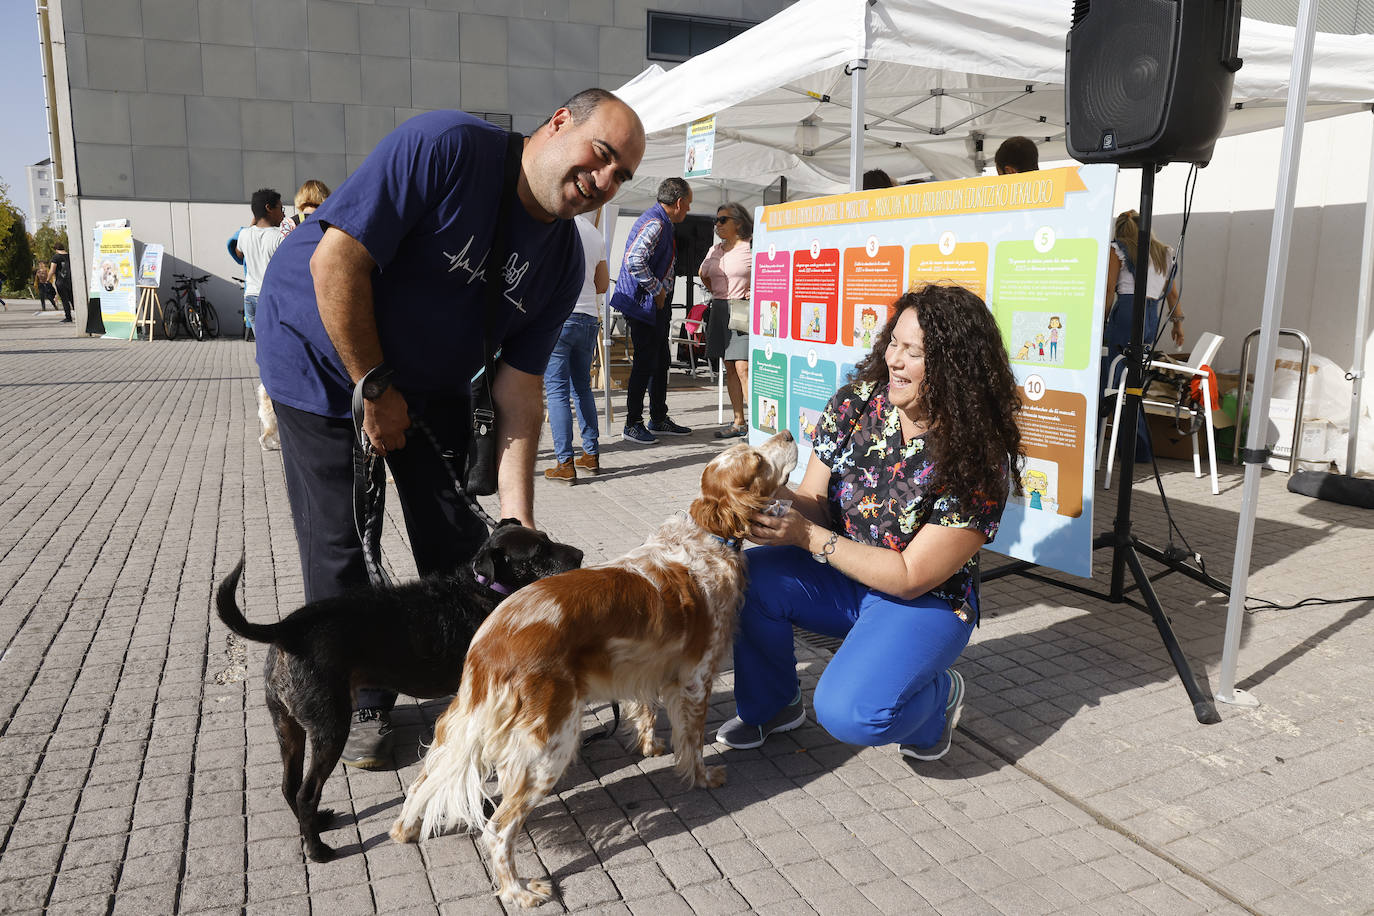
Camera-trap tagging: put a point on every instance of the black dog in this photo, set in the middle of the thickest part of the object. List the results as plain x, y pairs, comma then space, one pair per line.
411, 638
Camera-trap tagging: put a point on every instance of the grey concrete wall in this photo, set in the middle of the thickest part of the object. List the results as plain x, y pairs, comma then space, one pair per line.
207, 100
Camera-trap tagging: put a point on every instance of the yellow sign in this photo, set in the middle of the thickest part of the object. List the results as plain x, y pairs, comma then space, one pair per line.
1041, 190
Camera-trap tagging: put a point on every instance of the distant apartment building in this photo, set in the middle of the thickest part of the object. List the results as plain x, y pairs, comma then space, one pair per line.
172, 112
43, 205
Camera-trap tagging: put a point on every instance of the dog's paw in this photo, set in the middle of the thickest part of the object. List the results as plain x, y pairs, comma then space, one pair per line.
533, 894
318, 850
652, 747
715, 777
403, 834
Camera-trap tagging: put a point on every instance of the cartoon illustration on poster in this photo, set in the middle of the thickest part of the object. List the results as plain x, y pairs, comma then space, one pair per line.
811, 382
1032, 246
768, 388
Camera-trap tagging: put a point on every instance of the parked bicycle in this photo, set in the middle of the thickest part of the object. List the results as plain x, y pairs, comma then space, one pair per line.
187, 308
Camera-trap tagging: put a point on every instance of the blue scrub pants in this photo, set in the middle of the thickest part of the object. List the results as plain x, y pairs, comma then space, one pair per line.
885, 685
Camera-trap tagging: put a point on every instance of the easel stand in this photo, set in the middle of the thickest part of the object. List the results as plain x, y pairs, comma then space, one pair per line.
148, 306
1126, 547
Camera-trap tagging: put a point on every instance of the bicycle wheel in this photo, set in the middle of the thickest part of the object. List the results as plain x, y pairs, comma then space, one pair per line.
194, 322
171, 317
211, 318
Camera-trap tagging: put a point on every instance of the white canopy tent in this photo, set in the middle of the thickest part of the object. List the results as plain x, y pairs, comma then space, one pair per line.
940, 82
932, 86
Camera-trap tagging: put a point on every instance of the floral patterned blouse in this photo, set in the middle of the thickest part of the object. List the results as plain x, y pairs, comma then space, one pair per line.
878, 492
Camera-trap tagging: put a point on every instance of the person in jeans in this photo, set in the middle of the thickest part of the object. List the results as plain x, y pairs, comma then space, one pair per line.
386, 284
641, 295
570, 366
908, 477
256, 244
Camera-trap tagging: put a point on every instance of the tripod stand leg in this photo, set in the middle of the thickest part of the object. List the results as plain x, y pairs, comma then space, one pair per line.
1203, 707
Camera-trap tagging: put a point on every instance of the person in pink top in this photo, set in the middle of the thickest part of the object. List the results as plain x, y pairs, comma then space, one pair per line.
726, 271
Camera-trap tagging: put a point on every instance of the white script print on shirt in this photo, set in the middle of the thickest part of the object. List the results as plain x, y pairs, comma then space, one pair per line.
512, 272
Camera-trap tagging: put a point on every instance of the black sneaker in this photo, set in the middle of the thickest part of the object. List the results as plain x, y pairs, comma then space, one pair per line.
638, 435
667, 427
369, 739
741, 736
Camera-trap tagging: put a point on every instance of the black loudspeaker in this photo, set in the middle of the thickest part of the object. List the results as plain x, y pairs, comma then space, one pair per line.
1149, 81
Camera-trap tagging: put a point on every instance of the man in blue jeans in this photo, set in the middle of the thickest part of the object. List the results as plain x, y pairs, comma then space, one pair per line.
570, 366
641, 294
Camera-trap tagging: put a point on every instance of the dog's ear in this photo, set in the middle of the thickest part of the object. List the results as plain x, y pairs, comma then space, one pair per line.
488, 561
506, 523
731, 492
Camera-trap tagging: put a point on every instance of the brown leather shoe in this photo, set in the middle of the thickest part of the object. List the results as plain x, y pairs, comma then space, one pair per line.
589, 463
563, 472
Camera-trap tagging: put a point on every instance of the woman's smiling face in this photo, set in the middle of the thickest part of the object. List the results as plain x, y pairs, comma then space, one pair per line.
906, 363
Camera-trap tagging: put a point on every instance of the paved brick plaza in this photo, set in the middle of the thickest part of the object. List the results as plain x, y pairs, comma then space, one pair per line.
141, 771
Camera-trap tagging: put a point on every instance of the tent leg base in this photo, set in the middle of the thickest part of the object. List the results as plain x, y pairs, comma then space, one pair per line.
1238, 697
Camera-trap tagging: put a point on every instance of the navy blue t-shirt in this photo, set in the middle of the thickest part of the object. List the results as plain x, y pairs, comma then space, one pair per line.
424, 204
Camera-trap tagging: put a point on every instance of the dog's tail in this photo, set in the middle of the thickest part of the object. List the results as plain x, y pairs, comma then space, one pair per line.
233, 617
468, 744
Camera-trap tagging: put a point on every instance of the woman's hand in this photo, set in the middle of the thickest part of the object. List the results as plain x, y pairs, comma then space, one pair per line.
1176, 331
791, 528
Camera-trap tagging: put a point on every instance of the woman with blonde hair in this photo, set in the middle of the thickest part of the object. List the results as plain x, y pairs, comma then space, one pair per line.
308, 199
725, 271
1161, 289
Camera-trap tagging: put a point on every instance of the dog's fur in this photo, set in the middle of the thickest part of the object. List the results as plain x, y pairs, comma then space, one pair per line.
267, 419
410, 638
651, 626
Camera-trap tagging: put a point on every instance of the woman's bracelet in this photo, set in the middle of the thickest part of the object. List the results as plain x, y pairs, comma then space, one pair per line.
1176, 319
828, 548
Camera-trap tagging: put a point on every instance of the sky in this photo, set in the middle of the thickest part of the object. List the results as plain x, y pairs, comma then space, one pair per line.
23, 121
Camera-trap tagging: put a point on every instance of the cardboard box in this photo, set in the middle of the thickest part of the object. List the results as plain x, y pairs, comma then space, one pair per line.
1167, 441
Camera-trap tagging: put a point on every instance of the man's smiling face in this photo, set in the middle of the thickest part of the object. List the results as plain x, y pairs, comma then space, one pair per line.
578, 167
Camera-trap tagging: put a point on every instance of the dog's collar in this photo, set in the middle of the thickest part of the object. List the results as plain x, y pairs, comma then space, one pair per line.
732, 543
491, 583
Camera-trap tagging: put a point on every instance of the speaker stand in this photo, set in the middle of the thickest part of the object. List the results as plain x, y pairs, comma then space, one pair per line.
1126, 547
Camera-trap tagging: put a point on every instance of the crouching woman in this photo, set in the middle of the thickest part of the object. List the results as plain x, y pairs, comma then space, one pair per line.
910, 471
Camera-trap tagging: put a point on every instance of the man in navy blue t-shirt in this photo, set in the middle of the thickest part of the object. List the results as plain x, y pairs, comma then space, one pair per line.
388, 281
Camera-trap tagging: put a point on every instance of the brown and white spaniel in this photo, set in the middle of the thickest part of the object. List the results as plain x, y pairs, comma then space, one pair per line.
652, 626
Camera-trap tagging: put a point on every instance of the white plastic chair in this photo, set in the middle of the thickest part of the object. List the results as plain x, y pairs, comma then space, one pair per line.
1203, 353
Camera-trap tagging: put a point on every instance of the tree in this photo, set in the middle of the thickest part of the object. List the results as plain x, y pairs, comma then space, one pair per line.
46, 240
16, 258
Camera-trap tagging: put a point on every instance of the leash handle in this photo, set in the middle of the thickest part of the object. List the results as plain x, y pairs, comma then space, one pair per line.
369, 494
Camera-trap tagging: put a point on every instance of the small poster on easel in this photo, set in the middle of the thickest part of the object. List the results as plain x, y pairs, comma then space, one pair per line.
150, 267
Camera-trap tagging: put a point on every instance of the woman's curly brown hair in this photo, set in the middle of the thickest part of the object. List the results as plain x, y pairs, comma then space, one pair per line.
968, 393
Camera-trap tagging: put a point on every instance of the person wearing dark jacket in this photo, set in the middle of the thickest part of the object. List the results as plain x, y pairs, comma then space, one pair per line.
641, 294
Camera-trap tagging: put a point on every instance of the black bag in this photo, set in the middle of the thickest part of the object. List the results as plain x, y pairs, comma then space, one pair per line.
479, 473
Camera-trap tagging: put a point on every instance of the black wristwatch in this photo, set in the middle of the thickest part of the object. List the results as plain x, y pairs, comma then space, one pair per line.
377, 381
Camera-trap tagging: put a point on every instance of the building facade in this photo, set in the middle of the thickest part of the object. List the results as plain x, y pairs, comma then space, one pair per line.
172, 112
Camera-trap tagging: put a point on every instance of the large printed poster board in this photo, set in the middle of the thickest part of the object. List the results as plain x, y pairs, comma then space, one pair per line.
113, 276
1033, 246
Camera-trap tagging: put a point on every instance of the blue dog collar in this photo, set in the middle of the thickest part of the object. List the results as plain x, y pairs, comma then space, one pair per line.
732, 543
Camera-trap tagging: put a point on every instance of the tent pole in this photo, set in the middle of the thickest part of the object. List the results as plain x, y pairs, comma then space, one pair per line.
609, 214
1361, 323
856, 123
1255, 452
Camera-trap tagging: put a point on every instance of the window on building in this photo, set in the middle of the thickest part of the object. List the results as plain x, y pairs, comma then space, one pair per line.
675, 37
42, 192
42, 176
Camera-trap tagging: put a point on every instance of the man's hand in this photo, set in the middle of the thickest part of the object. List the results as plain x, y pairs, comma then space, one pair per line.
660, 299
385, 421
